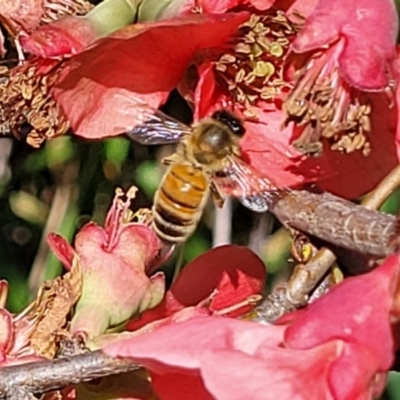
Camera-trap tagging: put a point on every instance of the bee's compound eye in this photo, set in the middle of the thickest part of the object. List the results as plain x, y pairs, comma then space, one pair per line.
230, 120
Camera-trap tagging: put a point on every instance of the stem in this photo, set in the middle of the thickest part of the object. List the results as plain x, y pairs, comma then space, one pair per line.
59, 207
43, 376
376, 198
223, 224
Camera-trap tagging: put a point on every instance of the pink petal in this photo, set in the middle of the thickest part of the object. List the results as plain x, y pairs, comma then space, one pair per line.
262, 4
245, 354
135, 244
2, 47
356, 311
111, 86
355, 375
367, 60
23, 13
6, 332
115, 282
360, 312
302, 7
3, 292
183, 343
217, 6
67, 36
282, 374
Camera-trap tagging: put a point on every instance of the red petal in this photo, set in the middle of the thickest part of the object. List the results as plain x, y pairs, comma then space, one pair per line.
267, 147
366, 58
61, 248
180, 385
140, 62
269, 150
355, 174
230, 274
234, 272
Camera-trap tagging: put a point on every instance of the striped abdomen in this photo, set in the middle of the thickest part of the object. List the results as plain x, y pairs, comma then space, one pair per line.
179, 202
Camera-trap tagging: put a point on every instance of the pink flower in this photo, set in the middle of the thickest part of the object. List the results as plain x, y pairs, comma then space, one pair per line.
16, 333
340, 347
114, 261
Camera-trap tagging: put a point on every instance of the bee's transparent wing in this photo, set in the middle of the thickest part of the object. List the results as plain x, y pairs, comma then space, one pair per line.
254, 191
260, 202
155, 127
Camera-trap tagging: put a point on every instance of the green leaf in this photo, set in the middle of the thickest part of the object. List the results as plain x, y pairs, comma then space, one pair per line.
148, 176
392, 391
116, 150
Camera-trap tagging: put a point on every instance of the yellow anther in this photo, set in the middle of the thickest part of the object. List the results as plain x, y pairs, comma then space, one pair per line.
264, 69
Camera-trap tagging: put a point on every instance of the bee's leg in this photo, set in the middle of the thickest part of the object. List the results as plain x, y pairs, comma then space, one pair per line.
217, 196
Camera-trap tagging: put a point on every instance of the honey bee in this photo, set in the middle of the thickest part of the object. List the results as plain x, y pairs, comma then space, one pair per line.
207, 161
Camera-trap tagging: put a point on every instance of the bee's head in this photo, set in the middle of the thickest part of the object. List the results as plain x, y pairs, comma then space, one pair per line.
211, 142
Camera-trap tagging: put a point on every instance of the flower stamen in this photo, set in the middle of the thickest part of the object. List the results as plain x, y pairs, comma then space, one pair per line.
253, 69
56, 9
120, 215
26, 103
327, 107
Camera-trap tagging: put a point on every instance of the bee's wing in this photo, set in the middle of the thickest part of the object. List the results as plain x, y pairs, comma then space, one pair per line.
155, 127
254, 191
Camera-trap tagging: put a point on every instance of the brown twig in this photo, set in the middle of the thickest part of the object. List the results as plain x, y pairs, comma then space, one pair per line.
376, 198
44, 376
345, 224
337, 221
